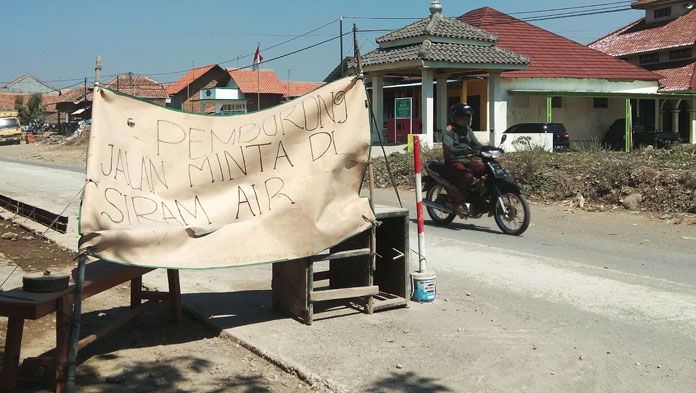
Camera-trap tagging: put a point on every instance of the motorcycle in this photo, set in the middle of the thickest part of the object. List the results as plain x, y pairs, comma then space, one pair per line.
491, 193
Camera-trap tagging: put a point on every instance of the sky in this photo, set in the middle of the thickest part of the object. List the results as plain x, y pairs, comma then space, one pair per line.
58, 41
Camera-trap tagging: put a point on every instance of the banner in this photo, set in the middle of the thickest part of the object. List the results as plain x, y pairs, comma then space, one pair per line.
175, 189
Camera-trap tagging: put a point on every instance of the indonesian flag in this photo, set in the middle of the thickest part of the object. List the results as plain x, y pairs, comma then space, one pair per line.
257, 56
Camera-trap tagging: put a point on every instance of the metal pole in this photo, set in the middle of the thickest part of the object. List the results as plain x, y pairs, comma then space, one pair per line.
422, 266
340, 24
75, 327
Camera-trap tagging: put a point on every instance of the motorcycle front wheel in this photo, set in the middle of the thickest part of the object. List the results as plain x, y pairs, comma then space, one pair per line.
438, 194
514, 220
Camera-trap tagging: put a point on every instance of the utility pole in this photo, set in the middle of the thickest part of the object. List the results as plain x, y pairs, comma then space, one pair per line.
340, 24
84, 113
97, 71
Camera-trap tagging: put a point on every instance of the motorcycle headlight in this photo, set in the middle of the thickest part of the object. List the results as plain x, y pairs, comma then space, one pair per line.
491, 153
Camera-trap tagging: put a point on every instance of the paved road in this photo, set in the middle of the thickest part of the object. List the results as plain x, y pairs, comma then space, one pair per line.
581, 302
617, 240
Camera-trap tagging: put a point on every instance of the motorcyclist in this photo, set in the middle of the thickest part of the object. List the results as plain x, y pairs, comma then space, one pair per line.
459, 144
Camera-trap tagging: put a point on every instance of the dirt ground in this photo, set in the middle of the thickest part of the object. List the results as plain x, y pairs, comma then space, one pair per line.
149, 354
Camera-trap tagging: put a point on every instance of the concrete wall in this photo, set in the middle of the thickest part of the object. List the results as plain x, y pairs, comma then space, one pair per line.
526, 141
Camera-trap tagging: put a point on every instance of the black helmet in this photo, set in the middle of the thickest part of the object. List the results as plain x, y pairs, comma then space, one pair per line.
458, 111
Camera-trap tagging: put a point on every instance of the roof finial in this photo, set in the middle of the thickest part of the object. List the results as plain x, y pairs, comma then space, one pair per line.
435, 7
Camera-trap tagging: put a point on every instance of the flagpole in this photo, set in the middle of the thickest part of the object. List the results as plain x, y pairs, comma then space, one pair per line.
258, 88
258, 80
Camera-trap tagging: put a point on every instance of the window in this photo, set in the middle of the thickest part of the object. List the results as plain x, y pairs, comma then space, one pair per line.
556, 102
662, 12
680, 54
649, 58
601, 103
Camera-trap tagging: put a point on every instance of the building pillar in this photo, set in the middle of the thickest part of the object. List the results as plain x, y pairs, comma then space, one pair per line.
497, 109
377, 105
675, 121
427, 107
441, 104
658, 116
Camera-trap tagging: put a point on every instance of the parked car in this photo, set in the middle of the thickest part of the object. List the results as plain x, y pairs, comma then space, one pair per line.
561, 140
644, 133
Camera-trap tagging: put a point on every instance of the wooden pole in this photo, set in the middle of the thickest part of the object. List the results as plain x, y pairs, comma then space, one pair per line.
75, 328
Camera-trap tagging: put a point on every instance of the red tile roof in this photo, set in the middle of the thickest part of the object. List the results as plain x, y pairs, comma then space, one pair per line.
551, 56
296, 88
643, 3
190, 76
251, 82
676, 75
139, 86
7, 101
638, 37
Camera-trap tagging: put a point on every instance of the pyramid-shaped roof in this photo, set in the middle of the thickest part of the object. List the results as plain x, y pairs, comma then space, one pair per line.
444, 52
551, 56
438, 25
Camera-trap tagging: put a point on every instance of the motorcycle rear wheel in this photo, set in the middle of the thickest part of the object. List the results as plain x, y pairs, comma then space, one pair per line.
439, 217
517, 218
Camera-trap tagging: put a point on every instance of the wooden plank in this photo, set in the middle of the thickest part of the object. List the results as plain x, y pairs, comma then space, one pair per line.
136, 291
389, 303
116, 324
10, 364
174, 295
152, 295
64, 314
289, 288
340, 255
343, 293
323, 275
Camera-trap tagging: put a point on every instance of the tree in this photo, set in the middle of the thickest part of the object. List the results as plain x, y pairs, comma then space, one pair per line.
33, 111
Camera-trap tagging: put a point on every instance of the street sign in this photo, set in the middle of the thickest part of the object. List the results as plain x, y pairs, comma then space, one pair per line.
402, 108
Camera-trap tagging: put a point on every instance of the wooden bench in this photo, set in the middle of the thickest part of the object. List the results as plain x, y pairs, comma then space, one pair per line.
18, 305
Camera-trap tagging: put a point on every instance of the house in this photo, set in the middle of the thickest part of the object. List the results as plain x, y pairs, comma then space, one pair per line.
184, 93
262, 88
563, 81
663, 41
250, 90
76, 104
28, 84
566, 81
296, 89
139, 86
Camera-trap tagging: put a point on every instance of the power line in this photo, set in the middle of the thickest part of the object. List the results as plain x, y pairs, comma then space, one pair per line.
284, 42
570, 8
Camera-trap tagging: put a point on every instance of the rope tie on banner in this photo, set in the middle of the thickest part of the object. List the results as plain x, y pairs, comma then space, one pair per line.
376, 223
46, 230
